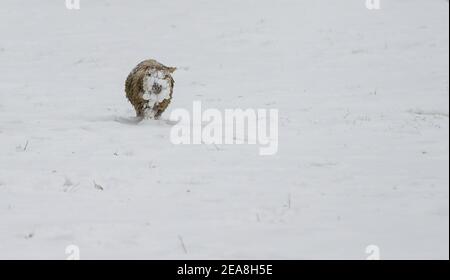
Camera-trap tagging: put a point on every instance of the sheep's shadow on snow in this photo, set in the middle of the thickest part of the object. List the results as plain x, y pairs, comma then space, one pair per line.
140, 120
133, 120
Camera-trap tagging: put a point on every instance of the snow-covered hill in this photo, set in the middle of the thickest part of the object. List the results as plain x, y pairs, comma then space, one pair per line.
363, 131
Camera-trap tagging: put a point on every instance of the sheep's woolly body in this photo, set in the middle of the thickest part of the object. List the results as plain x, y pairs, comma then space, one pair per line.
149, 88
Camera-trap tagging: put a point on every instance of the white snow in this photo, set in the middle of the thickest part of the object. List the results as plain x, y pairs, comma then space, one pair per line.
363, 152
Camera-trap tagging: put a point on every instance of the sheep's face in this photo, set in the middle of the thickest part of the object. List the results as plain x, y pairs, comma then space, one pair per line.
156, 87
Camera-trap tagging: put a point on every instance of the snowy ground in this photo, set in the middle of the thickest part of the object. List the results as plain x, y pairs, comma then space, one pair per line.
364, 130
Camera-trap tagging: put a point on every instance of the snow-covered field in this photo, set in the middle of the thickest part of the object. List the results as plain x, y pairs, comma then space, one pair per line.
363, 100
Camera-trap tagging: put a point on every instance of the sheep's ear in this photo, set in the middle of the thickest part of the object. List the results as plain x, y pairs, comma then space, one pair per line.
172, 69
